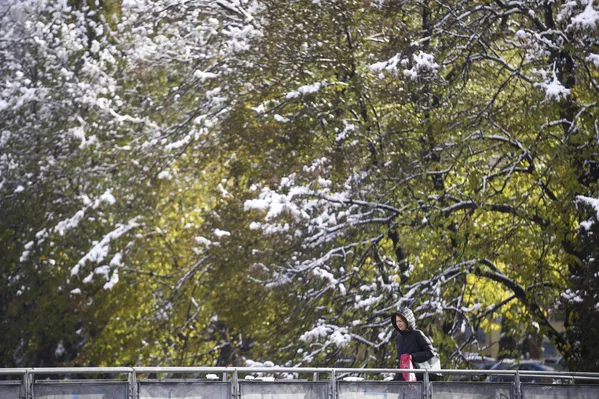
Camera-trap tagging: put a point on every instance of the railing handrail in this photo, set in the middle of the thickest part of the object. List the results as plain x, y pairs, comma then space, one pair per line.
323, 370
234, 385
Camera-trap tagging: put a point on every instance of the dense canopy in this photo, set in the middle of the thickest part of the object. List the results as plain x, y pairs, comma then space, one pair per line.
214, 182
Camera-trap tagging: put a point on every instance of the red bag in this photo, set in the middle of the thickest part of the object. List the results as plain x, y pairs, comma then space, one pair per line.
405, 362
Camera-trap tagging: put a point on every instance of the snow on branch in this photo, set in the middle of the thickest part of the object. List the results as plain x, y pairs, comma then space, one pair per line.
554, 89
588, 19
99, 251
594, 204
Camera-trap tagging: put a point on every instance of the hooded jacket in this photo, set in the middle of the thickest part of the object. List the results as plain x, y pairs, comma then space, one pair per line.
412, 341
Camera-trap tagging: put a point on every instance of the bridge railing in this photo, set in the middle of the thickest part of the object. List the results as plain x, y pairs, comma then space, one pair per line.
286, 383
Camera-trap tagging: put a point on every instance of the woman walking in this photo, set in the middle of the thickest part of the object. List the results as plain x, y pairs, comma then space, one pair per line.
410, 341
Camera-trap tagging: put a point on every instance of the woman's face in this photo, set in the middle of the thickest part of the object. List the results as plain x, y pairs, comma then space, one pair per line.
401, 323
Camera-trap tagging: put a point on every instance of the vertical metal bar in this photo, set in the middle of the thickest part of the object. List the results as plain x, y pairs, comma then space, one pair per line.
29, 380
517, 387
133, 384
24, 385
425, 385
315, 377
235, 390
333, 394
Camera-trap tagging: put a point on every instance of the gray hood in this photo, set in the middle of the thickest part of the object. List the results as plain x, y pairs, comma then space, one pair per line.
406, 314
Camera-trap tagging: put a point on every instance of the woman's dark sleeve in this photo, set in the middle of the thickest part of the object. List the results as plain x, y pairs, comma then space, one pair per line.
398, 345
426, 348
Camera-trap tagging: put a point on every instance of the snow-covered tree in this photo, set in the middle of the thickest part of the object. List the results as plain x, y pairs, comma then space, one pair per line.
449, 142
107, 111
194, 182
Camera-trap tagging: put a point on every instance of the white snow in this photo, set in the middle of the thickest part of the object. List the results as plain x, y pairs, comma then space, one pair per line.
325, 275
203, 241
316, 333
594, 203
116, 260
390, 65
255, 225
59, 351
340, 338
221, 233
258, 204
71, 223
107, 197
365, 303
202, 76
422, 63
343, 135
281, 119
5, 135
587, 19
554, 90
129, 4
113, 280
473, 308
102, 270
586, 225
522, 35
593, 58
24, 256
571, 296
100, 250
164, 175
223, 191
78, 133
88, 279
333, 334
353, 379
309, 89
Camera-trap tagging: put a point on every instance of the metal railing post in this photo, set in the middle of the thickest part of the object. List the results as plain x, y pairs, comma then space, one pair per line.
133, 384
25, 385
333, 394
235, 390
517, 387
30, 380
425, 385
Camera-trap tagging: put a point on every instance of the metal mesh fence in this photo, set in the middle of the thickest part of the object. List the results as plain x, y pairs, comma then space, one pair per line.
10, 390
284, 390
80, 390
184, 390
466, 390
379, 390
560, 391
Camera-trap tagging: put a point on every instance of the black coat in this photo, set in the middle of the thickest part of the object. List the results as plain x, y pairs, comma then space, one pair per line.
413, 341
